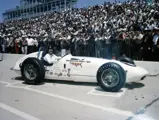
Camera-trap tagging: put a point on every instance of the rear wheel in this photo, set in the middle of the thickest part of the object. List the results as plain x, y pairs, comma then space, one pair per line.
111, 77
33, 71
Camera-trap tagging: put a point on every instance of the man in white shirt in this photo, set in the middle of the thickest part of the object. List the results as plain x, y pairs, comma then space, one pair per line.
30, 43
49, 58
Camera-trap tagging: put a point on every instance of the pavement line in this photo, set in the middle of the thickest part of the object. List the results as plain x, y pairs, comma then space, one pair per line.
108, 94
112, 110
17, 112
91, 91
13, 84
20, 87
3, 82
122, 93
28, 86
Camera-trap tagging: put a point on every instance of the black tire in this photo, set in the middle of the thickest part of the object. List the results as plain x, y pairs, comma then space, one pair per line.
126, 60
121, 74
39, 67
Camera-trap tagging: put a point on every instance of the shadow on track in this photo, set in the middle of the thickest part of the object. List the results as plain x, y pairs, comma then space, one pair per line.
129, 86
18, 78
133, 85
60, 82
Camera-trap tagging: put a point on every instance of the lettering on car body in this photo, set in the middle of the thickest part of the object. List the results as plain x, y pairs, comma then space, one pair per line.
77, 62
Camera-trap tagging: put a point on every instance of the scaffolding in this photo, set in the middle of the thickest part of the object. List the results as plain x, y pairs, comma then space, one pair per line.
33, 8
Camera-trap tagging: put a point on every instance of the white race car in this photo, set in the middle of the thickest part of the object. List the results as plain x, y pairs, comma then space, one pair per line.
111, 75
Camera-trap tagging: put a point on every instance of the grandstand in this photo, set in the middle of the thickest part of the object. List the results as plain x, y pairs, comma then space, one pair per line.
32, 8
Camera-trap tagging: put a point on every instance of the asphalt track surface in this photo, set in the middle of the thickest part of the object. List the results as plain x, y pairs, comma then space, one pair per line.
60, 100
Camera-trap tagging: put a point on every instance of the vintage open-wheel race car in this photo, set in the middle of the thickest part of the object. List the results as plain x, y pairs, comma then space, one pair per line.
111, 75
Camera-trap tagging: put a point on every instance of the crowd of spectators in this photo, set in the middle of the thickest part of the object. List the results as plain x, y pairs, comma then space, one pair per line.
107, 30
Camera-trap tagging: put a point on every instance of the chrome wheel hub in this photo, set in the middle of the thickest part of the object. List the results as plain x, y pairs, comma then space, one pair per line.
110, 78
30, 71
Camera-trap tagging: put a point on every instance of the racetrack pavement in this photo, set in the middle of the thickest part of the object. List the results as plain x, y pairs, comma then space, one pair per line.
62, 100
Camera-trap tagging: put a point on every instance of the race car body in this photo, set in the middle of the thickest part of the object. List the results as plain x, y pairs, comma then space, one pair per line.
85, 69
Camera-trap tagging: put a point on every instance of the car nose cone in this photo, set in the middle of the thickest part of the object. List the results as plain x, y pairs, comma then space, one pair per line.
142, 73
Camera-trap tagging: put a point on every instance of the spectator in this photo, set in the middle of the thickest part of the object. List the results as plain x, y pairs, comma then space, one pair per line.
24, 45
147, 46
156, 44
30, 43
88, 31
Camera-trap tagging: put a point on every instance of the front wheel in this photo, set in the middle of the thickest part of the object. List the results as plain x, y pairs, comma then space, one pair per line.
111, 77
33, 71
